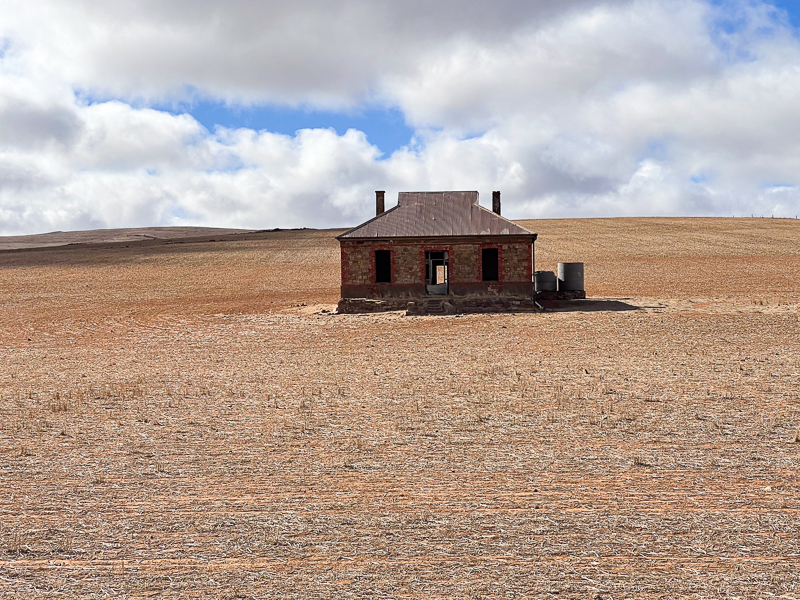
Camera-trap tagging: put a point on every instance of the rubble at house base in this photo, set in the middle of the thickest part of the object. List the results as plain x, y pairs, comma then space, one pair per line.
438, 306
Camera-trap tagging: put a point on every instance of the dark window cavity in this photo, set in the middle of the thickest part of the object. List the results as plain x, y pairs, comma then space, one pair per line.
490, 263
383, 266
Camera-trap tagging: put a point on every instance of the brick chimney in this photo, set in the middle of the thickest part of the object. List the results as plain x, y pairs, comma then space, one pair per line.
379, 205
496, 202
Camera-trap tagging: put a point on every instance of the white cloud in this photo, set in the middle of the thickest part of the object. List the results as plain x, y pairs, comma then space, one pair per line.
571, 108
302, 51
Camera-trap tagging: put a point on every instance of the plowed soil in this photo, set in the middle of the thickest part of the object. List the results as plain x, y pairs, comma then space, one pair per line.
188, 420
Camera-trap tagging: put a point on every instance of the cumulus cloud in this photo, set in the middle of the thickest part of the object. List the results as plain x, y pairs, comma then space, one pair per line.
572, 108
306, 51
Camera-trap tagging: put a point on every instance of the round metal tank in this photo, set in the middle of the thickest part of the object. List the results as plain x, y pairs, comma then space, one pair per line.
570, 277
544, 281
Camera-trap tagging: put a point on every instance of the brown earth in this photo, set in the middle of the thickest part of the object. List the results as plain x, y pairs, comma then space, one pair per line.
183, 420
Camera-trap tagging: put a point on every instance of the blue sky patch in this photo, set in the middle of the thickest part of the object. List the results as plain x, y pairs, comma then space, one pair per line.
777, 186
658, 149
732, 20
5, 44
792, 8
737, 20
384, 128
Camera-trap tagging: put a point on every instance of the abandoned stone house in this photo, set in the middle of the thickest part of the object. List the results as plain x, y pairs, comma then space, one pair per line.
434, 247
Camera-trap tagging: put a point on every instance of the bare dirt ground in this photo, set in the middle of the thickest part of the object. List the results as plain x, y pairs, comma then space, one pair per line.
184, 420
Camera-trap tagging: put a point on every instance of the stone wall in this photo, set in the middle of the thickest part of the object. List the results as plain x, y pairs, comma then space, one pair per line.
358, 265
465, 263
408, 267
516, 262
352, 306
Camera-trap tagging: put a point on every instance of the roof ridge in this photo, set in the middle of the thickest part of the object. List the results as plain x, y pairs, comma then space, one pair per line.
431, 218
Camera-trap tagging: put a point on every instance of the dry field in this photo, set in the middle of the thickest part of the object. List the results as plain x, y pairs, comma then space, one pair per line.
183, 420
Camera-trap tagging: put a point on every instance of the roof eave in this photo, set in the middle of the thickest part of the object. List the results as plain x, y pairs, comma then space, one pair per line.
365, 223
526, 234
526, 231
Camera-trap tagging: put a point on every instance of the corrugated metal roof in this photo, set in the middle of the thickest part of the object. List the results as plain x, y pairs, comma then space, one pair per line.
433, 214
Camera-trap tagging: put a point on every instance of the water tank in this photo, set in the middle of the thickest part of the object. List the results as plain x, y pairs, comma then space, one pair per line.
544, 281
570, 277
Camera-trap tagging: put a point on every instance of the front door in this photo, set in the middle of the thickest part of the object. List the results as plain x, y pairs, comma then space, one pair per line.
437, 275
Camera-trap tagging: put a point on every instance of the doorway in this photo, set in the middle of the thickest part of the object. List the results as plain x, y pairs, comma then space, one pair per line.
437, 273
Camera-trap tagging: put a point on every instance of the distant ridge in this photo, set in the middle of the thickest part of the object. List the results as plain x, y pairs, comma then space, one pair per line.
166, 235
115, 236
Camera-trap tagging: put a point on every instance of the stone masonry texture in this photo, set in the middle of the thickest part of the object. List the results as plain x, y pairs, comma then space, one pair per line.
516, 262
357, 265
408, 267
408, 264
465, 266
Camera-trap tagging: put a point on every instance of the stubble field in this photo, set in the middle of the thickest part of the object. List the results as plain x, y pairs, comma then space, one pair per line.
184, 420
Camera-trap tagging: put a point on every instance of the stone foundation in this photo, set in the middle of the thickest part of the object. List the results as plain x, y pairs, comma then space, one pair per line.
442, 305
353, 306
562, 295
452, 305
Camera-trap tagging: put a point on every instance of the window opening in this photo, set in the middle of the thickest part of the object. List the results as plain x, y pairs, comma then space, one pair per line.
383, 266
490, 264
437, 272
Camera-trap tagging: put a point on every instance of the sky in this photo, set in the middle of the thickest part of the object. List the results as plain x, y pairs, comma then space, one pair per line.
258, 114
